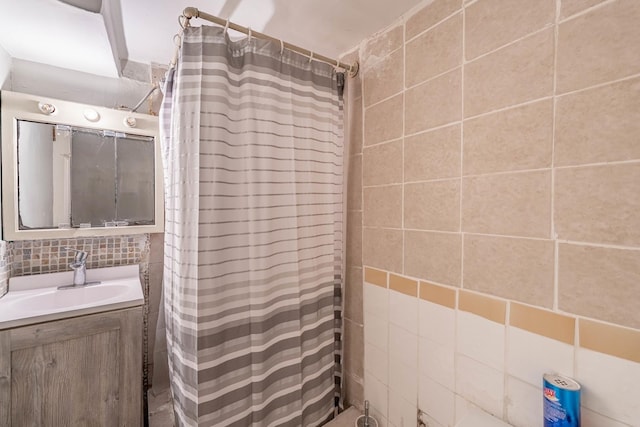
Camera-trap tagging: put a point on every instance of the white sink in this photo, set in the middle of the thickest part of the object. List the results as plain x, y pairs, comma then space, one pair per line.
33, 299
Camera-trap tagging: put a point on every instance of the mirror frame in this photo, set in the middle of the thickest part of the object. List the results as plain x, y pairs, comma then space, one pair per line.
18, 106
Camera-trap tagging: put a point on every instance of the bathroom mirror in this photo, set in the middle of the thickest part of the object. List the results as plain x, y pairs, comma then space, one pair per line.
74, 170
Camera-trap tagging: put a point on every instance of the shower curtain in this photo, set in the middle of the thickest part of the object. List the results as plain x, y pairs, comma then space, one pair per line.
253, 153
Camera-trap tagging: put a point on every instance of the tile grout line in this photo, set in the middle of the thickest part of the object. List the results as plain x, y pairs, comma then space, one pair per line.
554, 234
404, 125
462, 236
460, 200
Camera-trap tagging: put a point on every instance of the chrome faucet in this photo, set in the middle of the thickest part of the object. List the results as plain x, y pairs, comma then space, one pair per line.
79, 267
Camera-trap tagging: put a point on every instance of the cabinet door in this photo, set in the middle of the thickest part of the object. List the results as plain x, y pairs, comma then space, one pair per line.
84, 371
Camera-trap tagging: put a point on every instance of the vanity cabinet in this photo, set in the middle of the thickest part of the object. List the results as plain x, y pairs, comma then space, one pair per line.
82, 371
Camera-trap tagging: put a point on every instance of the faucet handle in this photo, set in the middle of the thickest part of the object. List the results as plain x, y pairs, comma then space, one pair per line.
80, 255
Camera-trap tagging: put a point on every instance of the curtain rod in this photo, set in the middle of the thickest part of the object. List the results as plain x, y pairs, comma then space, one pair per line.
192, 12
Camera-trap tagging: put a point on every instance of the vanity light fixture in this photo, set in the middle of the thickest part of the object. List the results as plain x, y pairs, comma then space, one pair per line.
46, 108
130, 122
91, 115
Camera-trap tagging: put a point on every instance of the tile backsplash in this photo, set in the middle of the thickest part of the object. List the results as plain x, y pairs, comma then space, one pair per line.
50, 256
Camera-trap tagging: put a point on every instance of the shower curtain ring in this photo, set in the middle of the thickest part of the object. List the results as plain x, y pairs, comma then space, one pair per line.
249, 40
281, 47
226, 27
310, 57
184, 21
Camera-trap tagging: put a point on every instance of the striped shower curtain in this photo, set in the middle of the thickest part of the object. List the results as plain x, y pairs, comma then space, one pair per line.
253, 155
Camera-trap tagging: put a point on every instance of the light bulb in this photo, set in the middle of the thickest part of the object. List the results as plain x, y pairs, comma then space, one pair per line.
47, 108
130, 122
91, 115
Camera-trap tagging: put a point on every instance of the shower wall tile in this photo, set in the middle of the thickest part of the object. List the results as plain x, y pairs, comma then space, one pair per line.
438, 295
402, 285
433, 205
514, 139
384, 79
376, 363
384, 121
436, 400
402, 378
623, 343
525, 117
353, 348
430, 15
403, 344
598, 125
382, 248
490, 24
434, 52
517, 269
355, 126
543, 322
434, 103
402, 412
433, 256
599, 46
436, 362
381, 45
524, 406
530, 356
403, 312
377, 394
480, 384
354, 392
605, 394
516, 204
432, 155
376, 277
489, 308
437, 322
571, 7
481, 339
600, 283
354, 184
353, 304
598, 204
381, 206
382, 164
520, 72
156, 248
354, 238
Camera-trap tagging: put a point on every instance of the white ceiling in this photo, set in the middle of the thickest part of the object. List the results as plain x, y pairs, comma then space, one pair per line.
50, 32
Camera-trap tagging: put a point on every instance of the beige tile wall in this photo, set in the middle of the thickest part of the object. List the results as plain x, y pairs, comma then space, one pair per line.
501, 152
378, 211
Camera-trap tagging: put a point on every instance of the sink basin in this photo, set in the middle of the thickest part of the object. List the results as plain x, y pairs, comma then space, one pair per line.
33, 299
63, 299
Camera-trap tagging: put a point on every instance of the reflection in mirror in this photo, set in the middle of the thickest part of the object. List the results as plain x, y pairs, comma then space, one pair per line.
77, 177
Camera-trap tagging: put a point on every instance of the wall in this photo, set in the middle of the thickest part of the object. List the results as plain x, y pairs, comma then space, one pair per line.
5, 68
353, 324
501, 225
70, 85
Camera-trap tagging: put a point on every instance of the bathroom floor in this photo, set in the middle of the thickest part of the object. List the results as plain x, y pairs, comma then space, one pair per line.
160, 411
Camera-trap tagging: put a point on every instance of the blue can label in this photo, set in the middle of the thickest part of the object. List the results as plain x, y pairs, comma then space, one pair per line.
561, 402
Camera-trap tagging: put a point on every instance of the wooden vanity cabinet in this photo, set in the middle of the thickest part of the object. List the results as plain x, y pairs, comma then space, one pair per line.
83, 371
